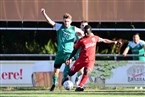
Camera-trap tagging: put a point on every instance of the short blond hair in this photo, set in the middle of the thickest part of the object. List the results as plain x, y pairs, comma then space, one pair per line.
67, 16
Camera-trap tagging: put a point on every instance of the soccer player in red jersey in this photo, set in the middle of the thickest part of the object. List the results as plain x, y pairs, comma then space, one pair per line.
87, 55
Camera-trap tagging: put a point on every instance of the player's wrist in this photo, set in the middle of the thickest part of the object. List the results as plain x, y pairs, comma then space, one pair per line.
115, 42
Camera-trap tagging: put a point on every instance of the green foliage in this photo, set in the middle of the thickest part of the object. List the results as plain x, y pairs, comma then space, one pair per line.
25, 42
50, 47
103, 69
106, 49
113, 50
33, 47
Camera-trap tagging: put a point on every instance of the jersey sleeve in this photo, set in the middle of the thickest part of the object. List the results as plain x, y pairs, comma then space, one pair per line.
129, 44
142, 43
57, 26
97, 38
79, 32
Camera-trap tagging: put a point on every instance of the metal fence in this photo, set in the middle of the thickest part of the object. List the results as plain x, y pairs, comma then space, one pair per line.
94, 29
50, 56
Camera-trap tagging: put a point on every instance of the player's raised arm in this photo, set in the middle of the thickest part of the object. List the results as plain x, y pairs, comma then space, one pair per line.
51, 22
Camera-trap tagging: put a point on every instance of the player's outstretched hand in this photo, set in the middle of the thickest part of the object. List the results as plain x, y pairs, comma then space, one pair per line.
68, 61
42, 10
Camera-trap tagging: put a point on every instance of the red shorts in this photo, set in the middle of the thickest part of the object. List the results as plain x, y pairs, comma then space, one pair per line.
80, 64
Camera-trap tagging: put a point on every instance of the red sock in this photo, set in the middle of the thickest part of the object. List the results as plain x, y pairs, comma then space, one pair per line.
83, 80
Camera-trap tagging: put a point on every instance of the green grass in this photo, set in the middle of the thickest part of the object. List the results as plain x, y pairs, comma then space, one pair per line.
67, 95
63, 93
60, 92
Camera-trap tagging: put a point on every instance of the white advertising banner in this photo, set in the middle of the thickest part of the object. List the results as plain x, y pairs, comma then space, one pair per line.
131, 74
19, 73
16, 73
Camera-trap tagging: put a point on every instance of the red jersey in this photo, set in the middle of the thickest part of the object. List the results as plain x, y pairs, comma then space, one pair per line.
88, 48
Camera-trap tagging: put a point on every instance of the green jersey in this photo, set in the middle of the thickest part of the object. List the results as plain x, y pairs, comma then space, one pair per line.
65, 38
137, 49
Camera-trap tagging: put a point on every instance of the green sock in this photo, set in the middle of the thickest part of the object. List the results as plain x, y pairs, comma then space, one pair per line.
78, 74
66, 70
55, 78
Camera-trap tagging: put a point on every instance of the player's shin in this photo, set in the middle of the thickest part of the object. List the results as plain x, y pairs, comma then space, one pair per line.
65, 72
83, 80
55, 79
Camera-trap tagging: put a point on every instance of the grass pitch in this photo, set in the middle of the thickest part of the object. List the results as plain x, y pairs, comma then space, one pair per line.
39, 92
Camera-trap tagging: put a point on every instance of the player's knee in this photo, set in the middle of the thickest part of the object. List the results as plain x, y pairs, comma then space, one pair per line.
86, 71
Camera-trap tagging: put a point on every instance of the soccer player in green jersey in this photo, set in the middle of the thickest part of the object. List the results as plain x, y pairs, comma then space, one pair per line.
66, 35
137, 46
